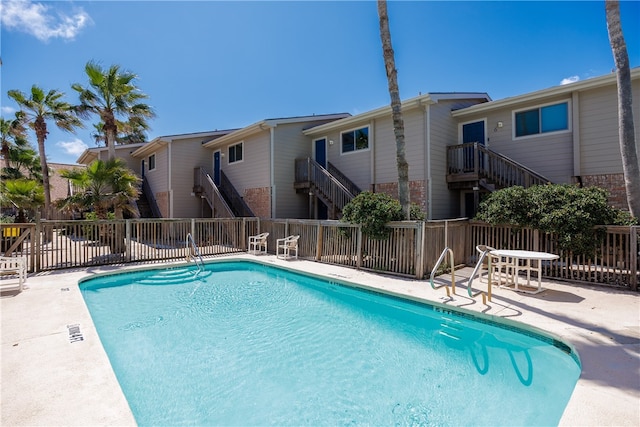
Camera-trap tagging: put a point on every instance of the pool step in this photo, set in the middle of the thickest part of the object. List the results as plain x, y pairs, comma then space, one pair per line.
174, 276
451, 328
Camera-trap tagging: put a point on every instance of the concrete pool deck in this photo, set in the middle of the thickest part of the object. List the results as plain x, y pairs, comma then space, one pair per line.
55, 371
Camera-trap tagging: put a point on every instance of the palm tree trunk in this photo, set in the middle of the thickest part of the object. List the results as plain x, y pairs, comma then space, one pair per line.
628, 150
110, 133
41, 134
396, 109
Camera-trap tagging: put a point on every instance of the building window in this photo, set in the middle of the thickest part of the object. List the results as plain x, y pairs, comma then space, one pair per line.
354, 140
235, 153
152, 162
545, 119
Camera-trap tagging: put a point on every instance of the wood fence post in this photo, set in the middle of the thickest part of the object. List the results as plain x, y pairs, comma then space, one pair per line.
419, 229
319, 242
634, 256
359, 247
127, 240
36, 242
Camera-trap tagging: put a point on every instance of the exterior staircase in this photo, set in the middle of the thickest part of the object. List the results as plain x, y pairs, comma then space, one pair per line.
333, 189
146, 203
224, 200
473, 166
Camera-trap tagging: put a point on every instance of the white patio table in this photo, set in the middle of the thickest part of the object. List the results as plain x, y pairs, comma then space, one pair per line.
519, 260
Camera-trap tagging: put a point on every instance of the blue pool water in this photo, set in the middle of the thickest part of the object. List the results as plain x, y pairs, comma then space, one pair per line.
248, 344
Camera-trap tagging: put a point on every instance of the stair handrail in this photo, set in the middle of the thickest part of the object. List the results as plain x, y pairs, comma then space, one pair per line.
212, 194
191, 245
534, 177
153, 204
238, 205
473, 157
349, 185
326, 183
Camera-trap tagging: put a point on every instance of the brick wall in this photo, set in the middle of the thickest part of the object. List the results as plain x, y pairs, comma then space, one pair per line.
614, 183
417, 191
162, 200
259, 201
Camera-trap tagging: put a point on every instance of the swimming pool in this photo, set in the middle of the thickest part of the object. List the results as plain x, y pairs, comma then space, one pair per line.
249, 344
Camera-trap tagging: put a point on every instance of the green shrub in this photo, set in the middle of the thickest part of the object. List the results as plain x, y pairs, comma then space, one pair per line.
374, 210
567, 210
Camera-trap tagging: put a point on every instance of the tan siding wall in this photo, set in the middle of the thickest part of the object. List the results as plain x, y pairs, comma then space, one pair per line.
443, 128
187, 155
385, 149
356, 165
599, 144
158, 179
253, 171
290, 144
549, 155
125, 154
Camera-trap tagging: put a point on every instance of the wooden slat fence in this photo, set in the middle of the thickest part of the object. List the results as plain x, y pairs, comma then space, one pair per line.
616, 262
411, 250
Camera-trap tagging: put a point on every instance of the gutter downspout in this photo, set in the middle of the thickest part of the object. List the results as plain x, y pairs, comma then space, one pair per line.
427, 119
575, 127
170, 180
272, 172
372, 135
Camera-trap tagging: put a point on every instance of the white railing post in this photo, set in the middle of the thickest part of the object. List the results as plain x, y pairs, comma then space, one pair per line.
634, 257
127, 240
37, 241
359, 246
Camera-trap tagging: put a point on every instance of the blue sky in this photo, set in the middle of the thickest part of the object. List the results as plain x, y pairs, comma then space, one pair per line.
209, 65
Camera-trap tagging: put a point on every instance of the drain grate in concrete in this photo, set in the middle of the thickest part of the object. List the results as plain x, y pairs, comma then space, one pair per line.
74, 333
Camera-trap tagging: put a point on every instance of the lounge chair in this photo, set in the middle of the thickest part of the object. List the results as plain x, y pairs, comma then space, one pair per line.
287, 245
258, 243
14, 266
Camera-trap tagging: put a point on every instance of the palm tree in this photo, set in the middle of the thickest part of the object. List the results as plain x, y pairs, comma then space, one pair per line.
20, 159
131, 132
36, 110
396, 109
112, 94
23, 194
11, 133
106, 185
630, 167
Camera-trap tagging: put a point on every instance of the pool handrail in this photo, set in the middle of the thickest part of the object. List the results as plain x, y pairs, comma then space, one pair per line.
437, 265
191, 244
485, 295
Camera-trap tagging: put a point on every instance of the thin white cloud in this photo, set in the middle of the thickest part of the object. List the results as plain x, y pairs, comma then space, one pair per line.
75, 147
38, 20
568, 80
8, 111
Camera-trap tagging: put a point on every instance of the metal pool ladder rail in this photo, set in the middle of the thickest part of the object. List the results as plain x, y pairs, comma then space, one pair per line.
485, 295
453, 274
191, 245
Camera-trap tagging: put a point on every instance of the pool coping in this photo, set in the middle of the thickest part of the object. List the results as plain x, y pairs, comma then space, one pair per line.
57, 373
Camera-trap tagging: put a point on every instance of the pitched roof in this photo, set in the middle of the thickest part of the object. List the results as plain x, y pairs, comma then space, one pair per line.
160, 141
271, 123
428, 98
581, 85
90, 154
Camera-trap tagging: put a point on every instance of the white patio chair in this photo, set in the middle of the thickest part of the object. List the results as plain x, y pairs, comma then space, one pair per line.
14, 266
287, 245
258, 243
